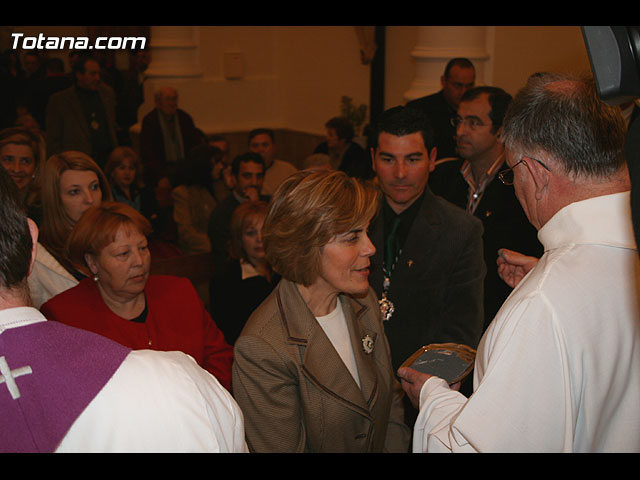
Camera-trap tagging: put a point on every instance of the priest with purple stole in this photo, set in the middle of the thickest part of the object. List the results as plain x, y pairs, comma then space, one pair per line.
67, 390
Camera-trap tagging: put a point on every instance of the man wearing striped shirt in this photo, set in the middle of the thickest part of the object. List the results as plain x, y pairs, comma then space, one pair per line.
471, 182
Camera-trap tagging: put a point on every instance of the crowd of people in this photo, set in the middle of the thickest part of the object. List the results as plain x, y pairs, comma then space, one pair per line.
473, 218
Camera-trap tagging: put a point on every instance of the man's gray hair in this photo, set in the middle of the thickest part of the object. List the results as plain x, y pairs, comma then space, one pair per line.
562, 116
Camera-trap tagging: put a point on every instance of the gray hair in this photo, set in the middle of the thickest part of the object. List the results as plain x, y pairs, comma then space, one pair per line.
562, 116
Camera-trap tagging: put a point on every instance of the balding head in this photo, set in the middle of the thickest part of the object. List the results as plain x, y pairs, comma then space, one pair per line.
167, 100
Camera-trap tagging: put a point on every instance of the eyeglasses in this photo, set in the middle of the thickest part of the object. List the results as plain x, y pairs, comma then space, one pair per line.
472, 122
507, 176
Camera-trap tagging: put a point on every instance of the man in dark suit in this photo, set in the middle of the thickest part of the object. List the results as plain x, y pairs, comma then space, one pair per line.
83, 117
472, 183
247, 170
459, 76
55, 80
167, 135
434, 269
345, 154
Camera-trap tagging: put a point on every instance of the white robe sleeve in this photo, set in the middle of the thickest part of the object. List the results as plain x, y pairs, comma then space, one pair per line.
521, 373
159, 402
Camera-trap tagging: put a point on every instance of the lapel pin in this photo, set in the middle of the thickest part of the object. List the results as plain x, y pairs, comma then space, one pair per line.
367, 344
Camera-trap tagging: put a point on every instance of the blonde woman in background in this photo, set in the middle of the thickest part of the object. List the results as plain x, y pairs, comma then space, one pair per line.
71, 183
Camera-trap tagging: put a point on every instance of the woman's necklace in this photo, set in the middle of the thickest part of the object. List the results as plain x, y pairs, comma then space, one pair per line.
386, 305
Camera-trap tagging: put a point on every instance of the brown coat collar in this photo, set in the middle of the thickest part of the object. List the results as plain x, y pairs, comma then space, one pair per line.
321, 363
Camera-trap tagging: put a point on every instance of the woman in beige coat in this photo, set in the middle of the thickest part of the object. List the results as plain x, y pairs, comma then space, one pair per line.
312, 369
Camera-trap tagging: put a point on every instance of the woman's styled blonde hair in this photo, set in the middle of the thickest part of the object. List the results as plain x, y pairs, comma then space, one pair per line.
56, 224
117, 157
306, 212
244, 213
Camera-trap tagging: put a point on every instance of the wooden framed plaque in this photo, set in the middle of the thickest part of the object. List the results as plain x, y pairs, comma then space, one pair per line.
449, 361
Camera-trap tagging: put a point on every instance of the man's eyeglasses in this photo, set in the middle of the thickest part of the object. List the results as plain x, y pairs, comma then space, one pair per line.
507, 176
472, 122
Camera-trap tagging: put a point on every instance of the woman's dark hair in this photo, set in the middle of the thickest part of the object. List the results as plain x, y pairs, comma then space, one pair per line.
15, 238
199, 163
343, 127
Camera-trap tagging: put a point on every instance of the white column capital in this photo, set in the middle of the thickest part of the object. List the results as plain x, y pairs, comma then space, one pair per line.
437, 45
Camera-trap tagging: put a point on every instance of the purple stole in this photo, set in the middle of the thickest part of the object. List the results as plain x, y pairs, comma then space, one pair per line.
56, 371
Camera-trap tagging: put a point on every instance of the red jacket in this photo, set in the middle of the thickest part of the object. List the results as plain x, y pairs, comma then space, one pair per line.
176, 320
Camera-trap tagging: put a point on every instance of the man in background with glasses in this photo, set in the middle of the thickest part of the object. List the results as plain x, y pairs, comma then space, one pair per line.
558, 370
471, 181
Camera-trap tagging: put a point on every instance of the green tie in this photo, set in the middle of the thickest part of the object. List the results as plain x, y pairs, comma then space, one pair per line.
391, 245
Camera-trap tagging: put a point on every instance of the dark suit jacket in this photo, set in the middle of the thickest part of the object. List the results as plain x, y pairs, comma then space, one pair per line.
66, 125
152, 152
233, 299
505, 226
294, 389
440, 114
436, 286
42, 91
356, 162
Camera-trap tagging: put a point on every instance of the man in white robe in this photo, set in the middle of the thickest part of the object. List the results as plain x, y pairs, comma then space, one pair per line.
558, 370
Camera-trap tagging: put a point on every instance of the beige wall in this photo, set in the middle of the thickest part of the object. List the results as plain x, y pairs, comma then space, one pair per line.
294, 77
318, 65
521, 51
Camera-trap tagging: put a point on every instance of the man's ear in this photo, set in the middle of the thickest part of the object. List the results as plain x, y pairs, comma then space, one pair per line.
33, 231
373, 158
541, 176
433, 154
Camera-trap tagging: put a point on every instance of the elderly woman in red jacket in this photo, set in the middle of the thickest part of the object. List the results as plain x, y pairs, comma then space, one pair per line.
120, 301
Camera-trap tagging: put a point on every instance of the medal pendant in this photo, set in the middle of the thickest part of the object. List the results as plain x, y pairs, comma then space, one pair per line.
386, 308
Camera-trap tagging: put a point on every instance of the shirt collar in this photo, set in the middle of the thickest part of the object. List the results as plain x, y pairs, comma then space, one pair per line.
465, 169
603, 220
248, 270
19, 317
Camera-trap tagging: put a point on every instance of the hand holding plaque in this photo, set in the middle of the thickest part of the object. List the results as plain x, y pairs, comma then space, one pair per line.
449, 361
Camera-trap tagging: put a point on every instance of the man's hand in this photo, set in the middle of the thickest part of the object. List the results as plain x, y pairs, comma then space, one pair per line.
252, 193
513, 266
412, 382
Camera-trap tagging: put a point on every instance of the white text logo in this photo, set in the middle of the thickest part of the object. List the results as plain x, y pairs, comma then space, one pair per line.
76, 43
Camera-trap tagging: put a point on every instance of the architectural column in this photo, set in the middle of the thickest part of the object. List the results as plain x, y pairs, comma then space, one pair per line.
175, 60
437, 45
